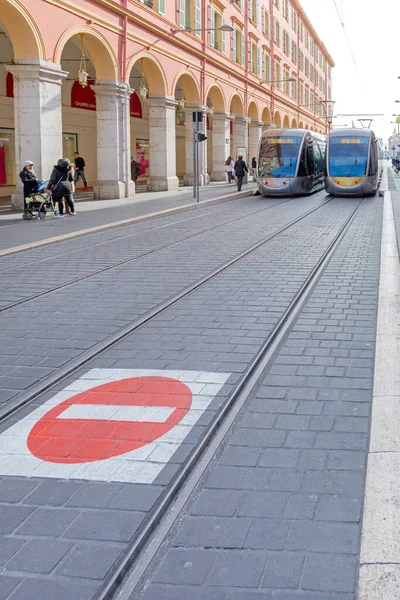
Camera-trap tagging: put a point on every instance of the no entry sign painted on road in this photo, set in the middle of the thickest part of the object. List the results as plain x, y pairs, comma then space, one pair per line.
109, 425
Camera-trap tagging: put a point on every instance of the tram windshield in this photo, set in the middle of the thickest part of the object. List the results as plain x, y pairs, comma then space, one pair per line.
278, 156
348, 156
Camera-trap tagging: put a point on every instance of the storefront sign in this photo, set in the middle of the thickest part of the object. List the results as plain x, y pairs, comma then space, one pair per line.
83, 97
10, 85
136, 106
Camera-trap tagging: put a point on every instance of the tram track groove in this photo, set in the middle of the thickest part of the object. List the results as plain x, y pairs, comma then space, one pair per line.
27, 396
129, 260
145, 547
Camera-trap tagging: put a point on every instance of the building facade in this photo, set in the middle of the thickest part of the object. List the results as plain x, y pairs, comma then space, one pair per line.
149, 64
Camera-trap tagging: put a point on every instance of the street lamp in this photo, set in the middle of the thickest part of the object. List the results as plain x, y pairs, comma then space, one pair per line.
225, 27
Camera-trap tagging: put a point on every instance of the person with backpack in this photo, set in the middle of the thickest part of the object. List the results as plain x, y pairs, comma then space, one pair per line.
240, 171
229, 168
60, 184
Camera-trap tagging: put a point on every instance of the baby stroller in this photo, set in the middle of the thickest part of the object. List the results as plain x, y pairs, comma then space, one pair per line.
39, 203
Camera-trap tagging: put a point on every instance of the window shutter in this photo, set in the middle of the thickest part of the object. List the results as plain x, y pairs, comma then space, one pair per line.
256, 17
263, 20
197, 17
242, 4
242, 60
182, 13
234, 48
258, 61
252, 58
161, 6
223, 39
251, 16
212, 26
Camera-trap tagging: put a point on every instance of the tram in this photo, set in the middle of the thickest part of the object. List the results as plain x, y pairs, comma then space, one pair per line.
291, 162
352, 162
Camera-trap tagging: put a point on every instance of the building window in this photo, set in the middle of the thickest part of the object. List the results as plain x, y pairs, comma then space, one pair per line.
294, 20
267, 67
238, 50
70, 144
286, 42
253, 5
158, 5
285, 9
255, 59
217, 37
301, 60
276, 3
301, 90
295, 57
278, 75
7, 157
190, 15
301, 31
265, 23
276, 32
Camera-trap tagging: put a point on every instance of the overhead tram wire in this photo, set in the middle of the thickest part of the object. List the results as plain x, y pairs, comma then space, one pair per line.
347, 39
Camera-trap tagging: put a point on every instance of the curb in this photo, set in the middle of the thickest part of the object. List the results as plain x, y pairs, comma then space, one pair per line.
108, 226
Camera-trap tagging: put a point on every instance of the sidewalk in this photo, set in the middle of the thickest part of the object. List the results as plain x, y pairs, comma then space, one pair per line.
94, 215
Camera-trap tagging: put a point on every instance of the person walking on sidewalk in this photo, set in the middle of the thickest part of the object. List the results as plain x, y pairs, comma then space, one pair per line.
240, 171
229, 168
135, 169
254, 167
60, 183
79, 170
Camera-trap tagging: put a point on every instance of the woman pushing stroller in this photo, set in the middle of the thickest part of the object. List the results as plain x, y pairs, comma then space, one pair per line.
60, 184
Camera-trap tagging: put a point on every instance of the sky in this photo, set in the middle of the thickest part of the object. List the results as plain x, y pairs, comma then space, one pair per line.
366, 53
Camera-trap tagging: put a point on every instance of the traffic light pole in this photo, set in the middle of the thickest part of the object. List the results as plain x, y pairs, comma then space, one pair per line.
198, 137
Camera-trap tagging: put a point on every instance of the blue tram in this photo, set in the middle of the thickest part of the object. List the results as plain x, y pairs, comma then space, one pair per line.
352, 162
291, 162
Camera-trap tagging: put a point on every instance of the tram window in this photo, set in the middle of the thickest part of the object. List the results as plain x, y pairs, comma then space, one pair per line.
310, 159
348, 156
372, 160
319, 158
302, 172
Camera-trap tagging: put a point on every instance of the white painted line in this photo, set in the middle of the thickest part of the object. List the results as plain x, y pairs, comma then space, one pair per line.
142, 414
379, 577
140, 465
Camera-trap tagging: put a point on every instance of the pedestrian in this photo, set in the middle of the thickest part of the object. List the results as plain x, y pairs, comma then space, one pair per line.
29, 179
135, 169
80, 170
254, 167
60, 183
229, 168
72, 170
240, 171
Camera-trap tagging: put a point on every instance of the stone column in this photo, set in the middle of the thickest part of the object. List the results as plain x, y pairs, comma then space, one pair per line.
37, 119
162, 128
113, 141
189, 131
241, 136
220, 144
255, 133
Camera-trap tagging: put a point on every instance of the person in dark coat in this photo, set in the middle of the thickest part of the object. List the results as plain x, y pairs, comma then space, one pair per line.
29, 179
80, 169
240, 171
60, 183
135, 169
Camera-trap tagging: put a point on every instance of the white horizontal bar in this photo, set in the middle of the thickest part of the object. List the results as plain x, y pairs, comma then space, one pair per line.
109, 412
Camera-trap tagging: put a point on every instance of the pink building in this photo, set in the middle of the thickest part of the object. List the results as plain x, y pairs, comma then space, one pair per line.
149, 65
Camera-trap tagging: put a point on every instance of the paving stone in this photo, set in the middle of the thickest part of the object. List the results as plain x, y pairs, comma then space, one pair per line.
164, 592
239, 478
39, 556
300, 506
12, 516
246, 594
347, 460
263, 438
283, 570
279, 457
33, 589
237, 568
333, 573
334, 482
113, 526
15, 490
89, 561
338, 508
48, 521
323, 537
9, 547
94, 495
268, 534
52, 493
7, 585
213, 532
136, 497
262, 504
218, 503
240, 456
185, 566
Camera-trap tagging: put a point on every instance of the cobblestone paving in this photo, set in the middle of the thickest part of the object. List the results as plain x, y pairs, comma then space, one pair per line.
61, 538
278, 514
38, 337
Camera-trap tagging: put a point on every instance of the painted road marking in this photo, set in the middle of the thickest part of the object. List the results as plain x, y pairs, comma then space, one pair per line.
110, 425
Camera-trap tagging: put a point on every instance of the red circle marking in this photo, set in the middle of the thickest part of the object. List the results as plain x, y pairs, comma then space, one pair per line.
80, 440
